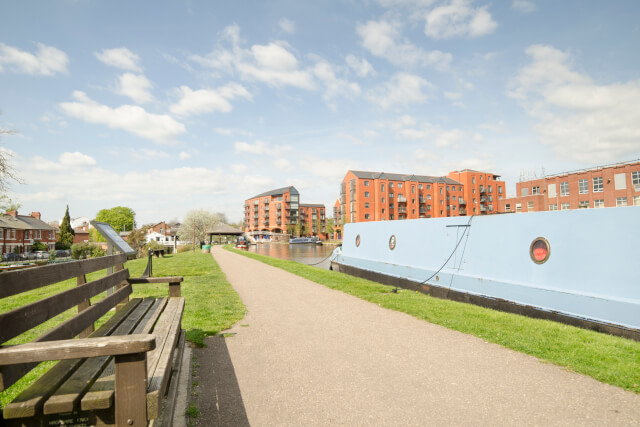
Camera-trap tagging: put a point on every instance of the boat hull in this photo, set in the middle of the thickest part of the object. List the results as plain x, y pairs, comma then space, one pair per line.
589, 279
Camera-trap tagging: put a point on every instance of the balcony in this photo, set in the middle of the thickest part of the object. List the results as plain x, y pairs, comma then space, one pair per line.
483, 190
402, 199
483, 208
422, 200
462, 201
423, 210
462, 211
402, 210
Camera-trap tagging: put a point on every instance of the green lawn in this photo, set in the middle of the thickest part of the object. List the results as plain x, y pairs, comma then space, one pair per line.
211, 305
607, 358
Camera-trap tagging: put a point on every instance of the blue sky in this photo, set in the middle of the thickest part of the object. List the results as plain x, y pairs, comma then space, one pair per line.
170, 106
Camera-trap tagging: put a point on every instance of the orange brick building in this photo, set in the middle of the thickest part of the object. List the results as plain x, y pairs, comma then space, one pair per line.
599, 187
274, 211
482, 191
379, 196
313, 220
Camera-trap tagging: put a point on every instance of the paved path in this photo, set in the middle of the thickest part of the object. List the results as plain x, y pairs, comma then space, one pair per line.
314, 356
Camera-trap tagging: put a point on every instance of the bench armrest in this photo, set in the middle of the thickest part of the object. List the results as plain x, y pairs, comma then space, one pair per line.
174, 283
76, 349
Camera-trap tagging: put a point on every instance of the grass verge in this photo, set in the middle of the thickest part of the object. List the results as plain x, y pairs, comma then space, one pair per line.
211, 305
609, 359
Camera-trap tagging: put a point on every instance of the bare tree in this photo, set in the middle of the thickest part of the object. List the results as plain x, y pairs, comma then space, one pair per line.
196, 224
7, 173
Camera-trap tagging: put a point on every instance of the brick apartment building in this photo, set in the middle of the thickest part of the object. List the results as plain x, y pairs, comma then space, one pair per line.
481, 191
599, 187
274, 211
379, 196
313, 220
19, 232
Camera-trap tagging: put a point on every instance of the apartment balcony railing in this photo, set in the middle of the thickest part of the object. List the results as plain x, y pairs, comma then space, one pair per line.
483, 208
483, 190
423, 210
255, 216
462, 211
422, 200
461, 201
402, 199
484, 199
402, 210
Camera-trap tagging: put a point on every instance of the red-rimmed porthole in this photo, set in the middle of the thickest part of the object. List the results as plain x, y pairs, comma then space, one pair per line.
540, 250
358, 240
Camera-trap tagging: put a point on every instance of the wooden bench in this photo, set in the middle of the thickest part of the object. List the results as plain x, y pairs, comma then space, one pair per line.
124, 373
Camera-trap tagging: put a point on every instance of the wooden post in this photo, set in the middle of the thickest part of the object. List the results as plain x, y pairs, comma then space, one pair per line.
174, 289
82, 279
125, 300
131, 389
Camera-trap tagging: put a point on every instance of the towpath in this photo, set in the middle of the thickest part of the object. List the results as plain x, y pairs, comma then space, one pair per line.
308, 355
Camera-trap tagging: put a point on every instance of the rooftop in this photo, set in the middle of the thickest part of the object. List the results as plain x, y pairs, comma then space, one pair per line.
405, 177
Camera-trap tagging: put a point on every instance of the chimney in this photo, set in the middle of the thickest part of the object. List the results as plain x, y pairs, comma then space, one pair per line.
36, 215
13, 213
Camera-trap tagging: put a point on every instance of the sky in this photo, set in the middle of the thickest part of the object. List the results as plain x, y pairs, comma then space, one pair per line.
168, 106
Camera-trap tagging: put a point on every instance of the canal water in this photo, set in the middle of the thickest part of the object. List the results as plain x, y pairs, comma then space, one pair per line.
303, 253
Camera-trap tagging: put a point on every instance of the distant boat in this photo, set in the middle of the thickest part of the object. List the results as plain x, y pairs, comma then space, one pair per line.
298, 240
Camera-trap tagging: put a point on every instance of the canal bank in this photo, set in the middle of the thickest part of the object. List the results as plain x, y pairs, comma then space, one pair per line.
309, 355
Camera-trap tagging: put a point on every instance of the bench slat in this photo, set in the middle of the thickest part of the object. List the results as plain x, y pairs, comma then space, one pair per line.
69, 329
158, 376
21, 319
66, 398
16, 282
168, 279
102, 392
30, 401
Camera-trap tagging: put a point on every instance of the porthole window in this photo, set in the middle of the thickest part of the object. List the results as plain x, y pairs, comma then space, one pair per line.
358, 240
392, 242
540, 250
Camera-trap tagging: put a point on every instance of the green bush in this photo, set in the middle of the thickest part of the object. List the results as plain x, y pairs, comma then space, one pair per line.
86, 250
38, 246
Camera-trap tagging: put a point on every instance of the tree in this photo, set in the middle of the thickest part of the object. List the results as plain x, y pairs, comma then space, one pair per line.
330, 228
66, 233
7, 173
138, 237
6, 204
38, 246
299, 228
120, 218
196, 223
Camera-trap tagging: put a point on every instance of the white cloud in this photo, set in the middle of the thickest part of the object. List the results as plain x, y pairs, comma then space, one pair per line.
401, 89
208, 100
272, 64
383, 39
121, 58
149, 154
334, 86
523, 6
287, 26
260, 147
135, 86
330, 170
577, 117
47, 61
131, 118
409, 128
457, 18
226, 131
184, 155
283, 164
76, 159
360, 66
239, 167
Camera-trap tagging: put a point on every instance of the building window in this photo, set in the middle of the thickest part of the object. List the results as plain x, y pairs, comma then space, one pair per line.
473, 190
366, 183
399, 185
565, 206
1, 233
391, 206
391, 216
499, 190
530, 206
597, 184
636, 200
583, 186
366, 216
366, 205
366, 194
383, 200
598, 203
621, 201
490, 207
391, 195
535, 190
383, 210
453, 198
635, 180
473, 180
490, 189
419, 186
428, 186
553, 207
391, 186
382, 188
428, 196
564, 188
447, 188
518, 207
507, 207
440, 190
583, 204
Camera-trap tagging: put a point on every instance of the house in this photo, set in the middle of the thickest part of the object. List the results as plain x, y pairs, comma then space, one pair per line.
19, 232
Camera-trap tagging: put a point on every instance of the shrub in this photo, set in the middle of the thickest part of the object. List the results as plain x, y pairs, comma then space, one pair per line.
38, 246
184, 248
86, 250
